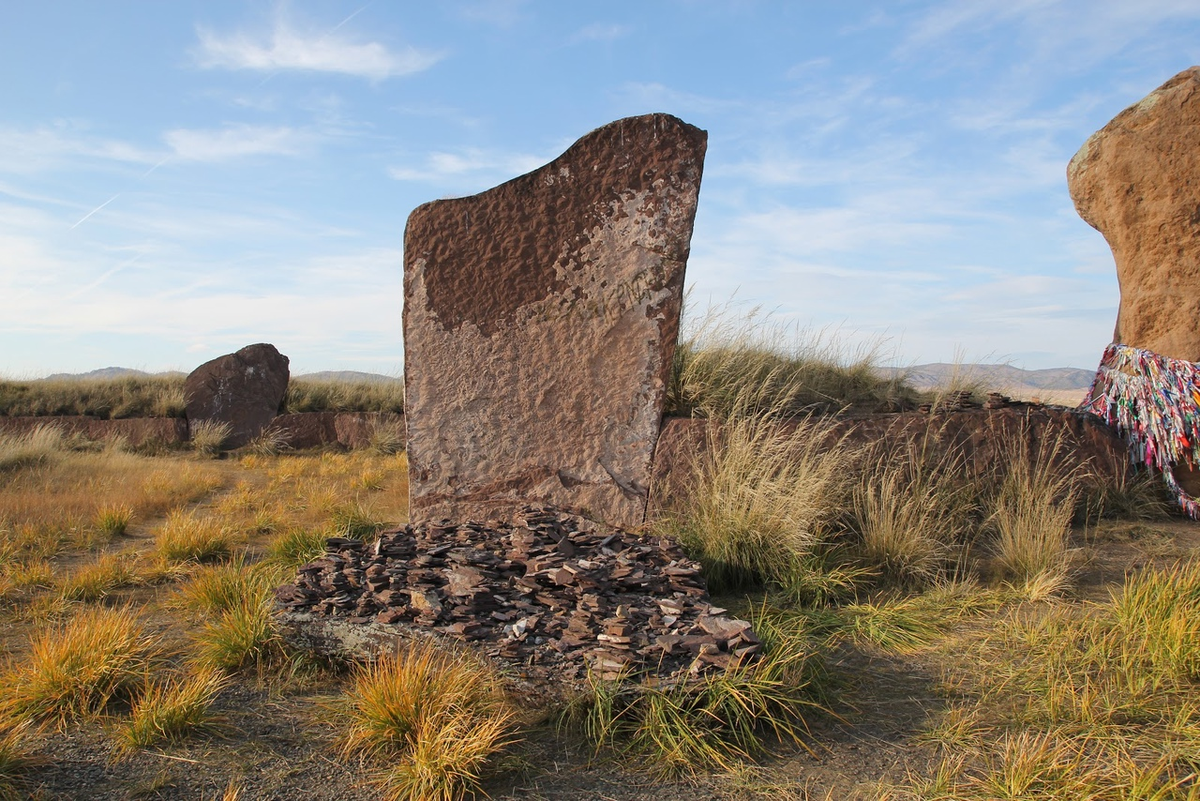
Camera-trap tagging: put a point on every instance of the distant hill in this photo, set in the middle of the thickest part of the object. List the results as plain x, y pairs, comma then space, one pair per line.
1000, 376
349, 376
107, 374
113, 373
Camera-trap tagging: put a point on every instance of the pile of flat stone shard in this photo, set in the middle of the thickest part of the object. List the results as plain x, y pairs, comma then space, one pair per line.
551, 593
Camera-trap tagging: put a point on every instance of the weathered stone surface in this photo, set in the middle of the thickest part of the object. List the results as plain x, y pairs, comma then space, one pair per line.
136, 431
540, 318
356, 429
1137, 181
243, 389
982, 436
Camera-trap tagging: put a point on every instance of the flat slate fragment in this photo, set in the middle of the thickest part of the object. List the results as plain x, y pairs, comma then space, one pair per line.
540, 320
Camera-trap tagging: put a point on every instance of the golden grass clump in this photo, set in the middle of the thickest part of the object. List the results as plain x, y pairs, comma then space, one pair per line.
97, 580
213, 589
112, 520
171, 710
187, 537
76, 669
764, 502
441, 716
208, 437
15, 760
35, 447
297, 546
1031, 514
387, 436
243, 636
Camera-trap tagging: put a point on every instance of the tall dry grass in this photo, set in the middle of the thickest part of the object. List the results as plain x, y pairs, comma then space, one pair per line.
1032, 513
163, 396
133, 396
764, 503
732, 355
913, 511
312, 395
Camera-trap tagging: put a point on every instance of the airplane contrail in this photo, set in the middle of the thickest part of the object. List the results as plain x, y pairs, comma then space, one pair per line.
93, 211
347, 19
156, 166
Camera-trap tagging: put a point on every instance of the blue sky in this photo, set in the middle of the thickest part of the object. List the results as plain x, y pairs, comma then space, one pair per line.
179, 179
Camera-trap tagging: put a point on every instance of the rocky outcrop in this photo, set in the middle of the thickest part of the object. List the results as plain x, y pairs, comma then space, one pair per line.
137, 432
540, 319
350, 430
1137, 180
243, 389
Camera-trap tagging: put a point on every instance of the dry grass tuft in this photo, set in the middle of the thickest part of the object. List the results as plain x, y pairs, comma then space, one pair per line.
35, 447
75, 669
913, 514
440, 715
170, 710
764, 504
186, 537
15, 760
242, 637
1032, 513
208, 437
214, 589
297, 546
99, 579
113, 520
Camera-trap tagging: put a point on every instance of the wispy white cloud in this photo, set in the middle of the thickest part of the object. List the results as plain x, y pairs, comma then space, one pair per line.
1074, 33
30, 150
236, 141
601, 32
473, 164
285, 48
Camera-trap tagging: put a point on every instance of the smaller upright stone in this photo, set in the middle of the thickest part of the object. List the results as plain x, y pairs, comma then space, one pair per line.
1137, 181
243, 389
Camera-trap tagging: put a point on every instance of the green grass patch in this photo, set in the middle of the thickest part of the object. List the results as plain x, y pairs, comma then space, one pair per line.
715, 722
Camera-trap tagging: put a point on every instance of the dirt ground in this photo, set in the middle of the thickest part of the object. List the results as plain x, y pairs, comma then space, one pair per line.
278, 740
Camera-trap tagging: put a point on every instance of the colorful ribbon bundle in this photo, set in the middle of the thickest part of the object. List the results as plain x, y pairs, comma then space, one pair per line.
1154, 401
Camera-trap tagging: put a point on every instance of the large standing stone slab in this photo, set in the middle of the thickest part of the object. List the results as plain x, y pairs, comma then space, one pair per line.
243, 389
540, 319
1137, 180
